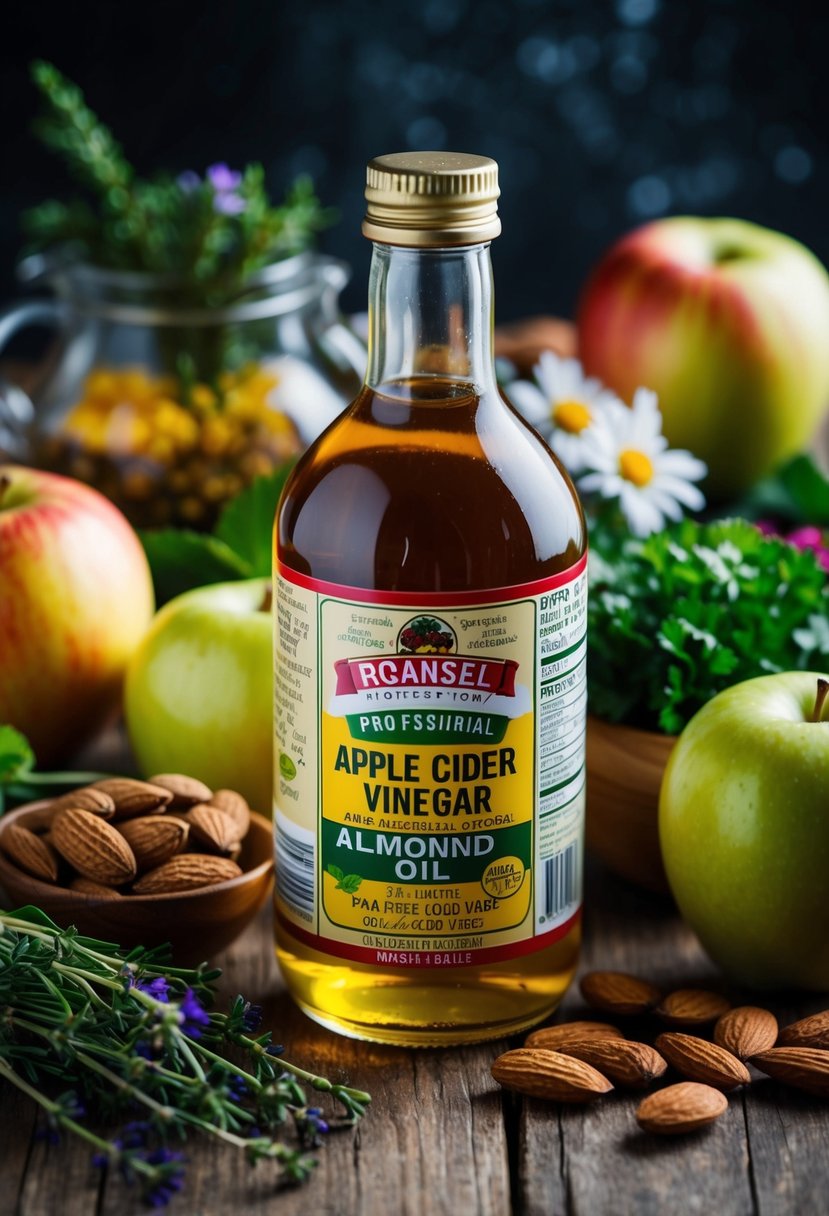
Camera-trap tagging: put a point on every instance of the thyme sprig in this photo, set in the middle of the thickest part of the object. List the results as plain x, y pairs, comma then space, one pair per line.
213, 232
132, 1037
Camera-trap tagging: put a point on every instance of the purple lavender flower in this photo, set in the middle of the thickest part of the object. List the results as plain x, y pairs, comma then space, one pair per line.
194, 1015
274, 1049
159, 988
236, 1089
223, 179
228, 204
159, 1195
188, 181
251, 1016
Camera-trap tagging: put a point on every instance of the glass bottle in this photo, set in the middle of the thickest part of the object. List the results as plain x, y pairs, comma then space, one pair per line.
430, 596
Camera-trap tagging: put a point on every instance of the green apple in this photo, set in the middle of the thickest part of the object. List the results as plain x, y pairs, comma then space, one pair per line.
728, 323
744, 828
199, 693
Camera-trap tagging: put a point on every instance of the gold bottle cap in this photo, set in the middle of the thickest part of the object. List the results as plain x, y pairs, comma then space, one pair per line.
431, 199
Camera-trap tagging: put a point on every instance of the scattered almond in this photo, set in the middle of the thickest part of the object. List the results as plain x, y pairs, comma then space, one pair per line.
745, 1031
692, 1007
154, 839
211, 828
548, 1074
93, 847
236, 807
133, 797
617, 992
187, 872
186, 791
801, 1067
808, 1032
680, 1108
87, 887
569, 1032
699, 1060
631, 1065
30, 852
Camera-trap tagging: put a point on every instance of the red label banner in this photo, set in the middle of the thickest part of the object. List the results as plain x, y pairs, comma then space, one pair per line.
426, 671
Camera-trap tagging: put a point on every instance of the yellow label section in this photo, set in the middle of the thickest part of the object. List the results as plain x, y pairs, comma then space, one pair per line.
429, 789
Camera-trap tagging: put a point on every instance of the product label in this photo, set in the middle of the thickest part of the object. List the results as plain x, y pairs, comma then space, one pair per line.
429, 793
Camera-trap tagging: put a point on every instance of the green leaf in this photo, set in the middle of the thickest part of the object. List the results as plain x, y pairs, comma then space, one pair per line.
336, 872
797, 494
34, 916
181, 560
16, 756
246, 524
350, 884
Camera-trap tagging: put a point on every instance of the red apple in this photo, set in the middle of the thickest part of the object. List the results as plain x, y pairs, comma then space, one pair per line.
76, 598
729, 323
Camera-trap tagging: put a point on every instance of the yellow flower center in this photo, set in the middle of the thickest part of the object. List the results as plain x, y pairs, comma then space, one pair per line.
572, 416
635, 467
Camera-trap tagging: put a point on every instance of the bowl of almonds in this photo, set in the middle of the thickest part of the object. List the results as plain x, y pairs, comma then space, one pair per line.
142, 862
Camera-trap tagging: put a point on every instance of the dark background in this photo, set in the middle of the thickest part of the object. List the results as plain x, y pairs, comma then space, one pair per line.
602, 115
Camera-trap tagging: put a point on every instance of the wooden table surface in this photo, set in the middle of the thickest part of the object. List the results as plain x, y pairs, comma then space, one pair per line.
441, 1139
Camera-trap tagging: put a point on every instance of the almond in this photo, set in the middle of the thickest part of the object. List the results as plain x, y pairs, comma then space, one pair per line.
746, 1031
30, 853
154, 839
132, 797
186, 791
185, 873
236, 807
97, 889
211, 828
86, 799
808, 1032
631, 1065
699, 1060
802, 1067
680, 1108
692, 1007
93, 847
548, 1074
568, 1032
616, 992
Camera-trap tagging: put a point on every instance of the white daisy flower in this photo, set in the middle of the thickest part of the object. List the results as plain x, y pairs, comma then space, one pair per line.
628, 459
563, 405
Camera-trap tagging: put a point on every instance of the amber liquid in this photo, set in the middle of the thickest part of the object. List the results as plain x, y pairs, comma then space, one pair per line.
429, 487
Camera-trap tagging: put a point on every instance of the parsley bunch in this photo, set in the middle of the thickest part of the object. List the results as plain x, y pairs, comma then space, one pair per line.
678, 617
87, 1026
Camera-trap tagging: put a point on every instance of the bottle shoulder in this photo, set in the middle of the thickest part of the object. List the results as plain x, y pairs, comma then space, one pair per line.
458, 496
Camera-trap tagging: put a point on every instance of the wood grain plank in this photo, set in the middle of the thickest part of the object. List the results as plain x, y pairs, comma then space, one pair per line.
594, 1161
17, 1126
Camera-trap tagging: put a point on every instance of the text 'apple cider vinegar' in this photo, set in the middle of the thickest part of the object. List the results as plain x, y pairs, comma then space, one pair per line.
430, 601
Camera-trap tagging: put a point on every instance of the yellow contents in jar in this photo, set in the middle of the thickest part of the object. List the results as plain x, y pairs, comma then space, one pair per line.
164, 461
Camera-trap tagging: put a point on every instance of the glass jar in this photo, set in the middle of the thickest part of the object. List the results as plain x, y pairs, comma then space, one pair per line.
170, 407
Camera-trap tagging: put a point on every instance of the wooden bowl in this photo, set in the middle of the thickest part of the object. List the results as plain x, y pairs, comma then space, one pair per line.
624, 773
197, 924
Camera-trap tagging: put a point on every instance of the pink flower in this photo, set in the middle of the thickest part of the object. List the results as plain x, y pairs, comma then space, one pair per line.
807, 537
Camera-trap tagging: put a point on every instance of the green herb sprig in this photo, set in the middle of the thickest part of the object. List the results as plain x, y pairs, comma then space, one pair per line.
211, 232
676, 618
130, 1037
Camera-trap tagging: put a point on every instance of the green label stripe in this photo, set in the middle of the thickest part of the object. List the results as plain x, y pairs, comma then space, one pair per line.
375, 854
562, 654
418, 726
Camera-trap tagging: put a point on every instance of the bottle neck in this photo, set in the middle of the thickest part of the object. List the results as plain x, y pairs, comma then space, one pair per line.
431, 317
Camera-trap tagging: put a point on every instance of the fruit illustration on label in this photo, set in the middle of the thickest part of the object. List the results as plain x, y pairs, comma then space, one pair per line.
426, 635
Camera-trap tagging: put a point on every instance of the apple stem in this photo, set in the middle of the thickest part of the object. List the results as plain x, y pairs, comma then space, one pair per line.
267, 602
820, 699
5, 483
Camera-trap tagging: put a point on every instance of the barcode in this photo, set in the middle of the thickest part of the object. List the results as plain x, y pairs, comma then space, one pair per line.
561, 878
294, 861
